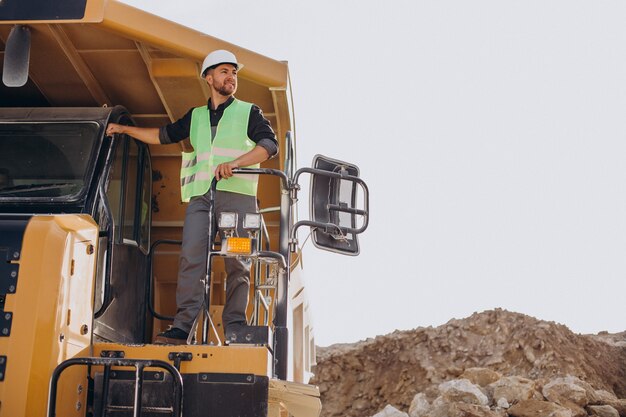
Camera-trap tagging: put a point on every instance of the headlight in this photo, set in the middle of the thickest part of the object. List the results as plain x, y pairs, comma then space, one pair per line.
252, 221
227, 220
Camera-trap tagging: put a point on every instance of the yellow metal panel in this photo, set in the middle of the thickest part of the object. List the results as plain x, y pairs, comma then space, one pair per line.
165, 304
256, 93
166, 263
216, 316
52, 308
83, 71
184, 42
281, 107
96, 60
211, 359
124, 76
72, 390
180, 92
174, 67
166, 186
89, 38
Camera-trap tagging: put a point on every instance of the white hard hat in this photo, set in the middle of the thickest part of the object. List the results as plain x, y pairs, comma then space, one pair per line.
219, 57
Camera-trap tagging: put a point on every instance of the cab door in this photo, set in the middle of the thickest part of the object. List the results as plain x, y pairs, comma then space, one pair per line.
122, 307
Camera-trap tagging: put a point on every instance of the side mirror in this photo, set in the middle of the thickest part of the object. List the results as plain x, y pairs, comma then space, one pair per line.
16, 57
338, 215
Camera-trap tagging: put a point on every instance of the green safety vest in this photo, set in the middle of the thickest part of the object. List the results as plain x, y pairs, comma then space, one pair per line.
231, 141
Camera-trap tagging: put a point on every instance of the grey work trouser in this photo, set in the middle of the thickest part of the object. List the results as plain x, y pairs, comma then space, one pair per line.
193, 260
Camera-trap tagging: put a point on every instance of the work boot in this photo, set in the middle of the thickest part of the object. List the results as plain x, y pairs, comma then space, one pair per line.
172, 336
234, 332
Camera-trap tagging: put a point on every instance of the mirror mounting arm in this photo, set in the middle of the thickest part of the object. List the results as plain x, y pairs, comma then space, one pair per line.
328, 228
342, 174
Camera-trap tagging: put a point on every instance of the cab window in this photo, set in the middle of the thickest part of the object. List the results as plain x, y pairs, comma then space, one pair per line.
145, 208
46, 161
129, 193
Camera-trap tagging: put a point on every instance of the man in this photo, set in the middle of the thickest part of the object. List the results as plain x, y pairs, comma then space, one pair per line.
225, 134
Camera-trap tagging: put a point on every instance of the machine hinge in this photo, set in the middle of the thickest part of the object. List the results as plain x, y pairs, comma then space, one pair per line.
8, 271
178, 357
112, 354
6, 318
3, 367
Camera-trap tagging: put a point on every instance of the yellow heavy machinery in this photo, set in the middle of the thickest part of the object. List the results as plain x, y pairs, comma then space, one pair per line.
90, 227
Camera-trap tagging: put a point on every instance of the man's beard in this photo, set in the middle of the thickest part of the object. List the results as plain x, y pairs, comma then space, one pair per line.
224, 90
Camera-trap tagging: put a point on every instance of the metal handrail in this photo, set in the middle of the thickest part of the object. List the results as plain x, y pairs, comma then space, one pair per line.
289, 155
212, 233
281, 341
257, 270
150, 280
107, 298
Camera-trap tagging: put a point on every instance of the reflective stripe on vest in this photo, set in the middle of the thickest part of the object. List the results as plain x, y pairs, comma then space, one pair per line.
231, 141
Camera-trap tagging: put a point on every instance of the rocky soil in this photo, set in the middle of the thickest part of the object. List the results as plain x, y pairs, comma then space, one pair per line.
495, 363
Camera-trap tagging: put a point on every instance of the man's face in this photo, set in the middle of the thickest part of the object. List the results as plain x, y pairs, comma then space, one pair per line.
223, 79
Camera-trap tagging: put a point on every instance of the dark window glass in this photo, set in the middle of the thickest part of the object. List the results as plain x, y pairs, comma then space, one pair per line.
46, 160
145, 210
130, 199
42, 9
114, 188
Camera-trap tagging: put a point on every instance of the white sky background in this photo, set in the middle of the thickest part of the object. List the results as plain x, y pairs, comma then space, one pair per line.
492, 135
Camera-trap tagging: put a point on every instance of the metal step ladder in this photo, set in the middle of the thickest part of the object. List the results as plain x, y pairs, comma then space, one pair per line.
120, 403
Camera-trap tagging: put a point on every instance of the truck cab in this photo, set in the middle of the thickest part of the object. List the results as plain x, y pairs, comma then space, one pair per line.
58, 161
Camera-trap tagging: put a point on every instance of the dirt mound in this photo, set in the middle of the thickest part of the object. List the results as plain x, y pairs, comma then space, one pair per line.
360, 379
